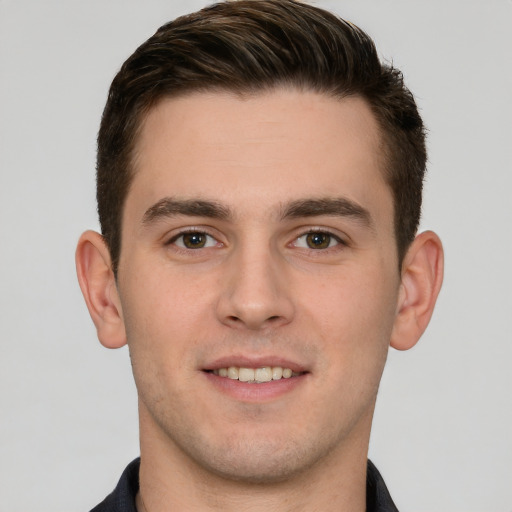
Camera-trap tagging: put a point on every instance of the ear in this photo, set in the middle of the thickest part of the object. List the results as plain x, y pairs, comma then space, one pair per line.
98, 285
422, 276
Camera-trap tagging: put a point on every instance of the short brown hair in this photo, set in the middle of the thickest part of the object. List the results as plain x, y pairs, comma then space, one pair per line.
255, 45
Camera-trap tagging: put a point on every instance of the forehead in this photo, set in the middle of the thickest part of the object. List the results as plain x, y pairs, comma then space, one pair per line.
276, 146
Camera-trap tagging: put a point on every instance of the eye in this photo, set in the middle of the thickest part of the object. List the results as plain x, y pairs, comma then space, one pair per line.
316, 240
194, 240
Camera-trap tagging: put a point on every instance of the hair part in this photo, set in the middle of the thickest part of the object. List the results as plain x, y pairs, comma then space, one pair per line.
252, 46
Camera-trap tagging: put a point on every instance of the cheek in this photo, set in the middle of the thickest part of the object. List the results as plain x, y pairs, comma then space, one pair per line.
165, 313
354, 316
161, 335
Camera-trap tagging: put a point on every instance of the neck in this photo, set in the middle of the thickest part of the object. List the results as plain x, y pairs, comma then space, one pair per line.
170, 480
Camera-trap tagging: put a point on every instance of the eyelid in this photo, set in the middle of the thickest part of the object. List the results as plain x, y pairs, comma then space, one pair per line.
170, 240
341, 238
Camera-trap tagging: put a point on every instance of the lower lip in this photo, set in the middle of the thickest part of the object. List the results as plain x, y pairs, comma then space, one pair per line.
253, 392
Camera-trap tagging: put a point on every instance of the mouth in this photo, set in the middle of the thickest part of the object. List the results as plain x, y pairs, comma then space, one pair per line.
258, 375
256, 378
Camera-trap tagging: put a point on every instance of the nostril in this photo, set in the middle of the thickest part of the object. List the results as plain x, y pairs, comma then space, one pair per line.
253, 323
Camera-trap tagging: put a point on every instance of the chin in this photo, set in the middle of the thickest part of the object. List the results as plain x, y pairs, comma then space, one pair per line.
260, 461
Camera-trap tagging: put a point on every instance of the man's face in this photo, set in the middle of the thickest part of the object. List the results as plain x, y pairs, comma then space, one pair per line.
258, 233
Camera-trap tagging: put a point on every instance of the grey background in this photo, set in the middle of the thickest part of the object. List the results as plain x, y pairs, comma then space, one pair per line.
442, 433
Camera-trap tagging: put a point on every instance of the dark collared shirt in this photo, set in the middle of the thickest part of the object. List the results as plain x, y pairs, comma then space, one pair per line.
122, 499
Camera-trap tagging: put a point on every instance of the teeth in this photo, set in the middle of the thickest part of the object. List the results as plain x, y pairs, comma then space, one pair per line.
263, 374
277, 373
245, 374
233, 373
255, 375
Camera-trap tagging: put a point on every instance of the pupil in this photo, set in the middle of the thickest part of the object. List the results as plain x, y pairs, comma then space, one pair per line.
318, 240
194, 240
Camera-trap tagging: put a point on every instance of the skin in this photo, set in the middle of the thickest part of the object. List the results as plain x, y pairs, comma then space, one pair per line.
258, 290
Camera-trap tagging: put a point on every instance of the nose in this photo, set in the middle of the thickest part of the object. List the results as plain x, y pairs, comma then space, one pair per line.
255, 293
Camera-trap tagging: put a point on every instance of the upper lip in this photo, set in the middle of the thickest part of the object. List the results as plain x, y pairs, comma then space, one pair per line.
257, 361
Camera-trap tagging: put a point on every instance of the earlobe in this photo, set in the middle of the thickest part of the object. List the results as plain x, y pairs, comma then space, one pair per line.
422, 276
97, 282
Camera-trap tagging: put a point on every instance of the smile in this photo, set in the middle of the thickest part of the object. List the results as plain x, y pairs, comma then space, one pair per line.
255, 375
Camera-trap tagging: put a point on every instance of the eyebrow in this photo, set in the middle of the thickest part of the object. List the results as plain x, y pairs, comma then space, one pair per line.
169, 207
334, 207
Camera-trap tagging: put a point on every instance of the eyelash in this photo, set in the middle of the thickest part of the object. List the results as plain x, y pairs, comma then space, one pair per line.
192, 231
198, 231
332, 237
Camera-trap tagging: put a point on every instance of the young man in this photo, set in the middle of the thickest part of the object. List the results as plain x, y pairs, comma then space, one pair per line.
259, 192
